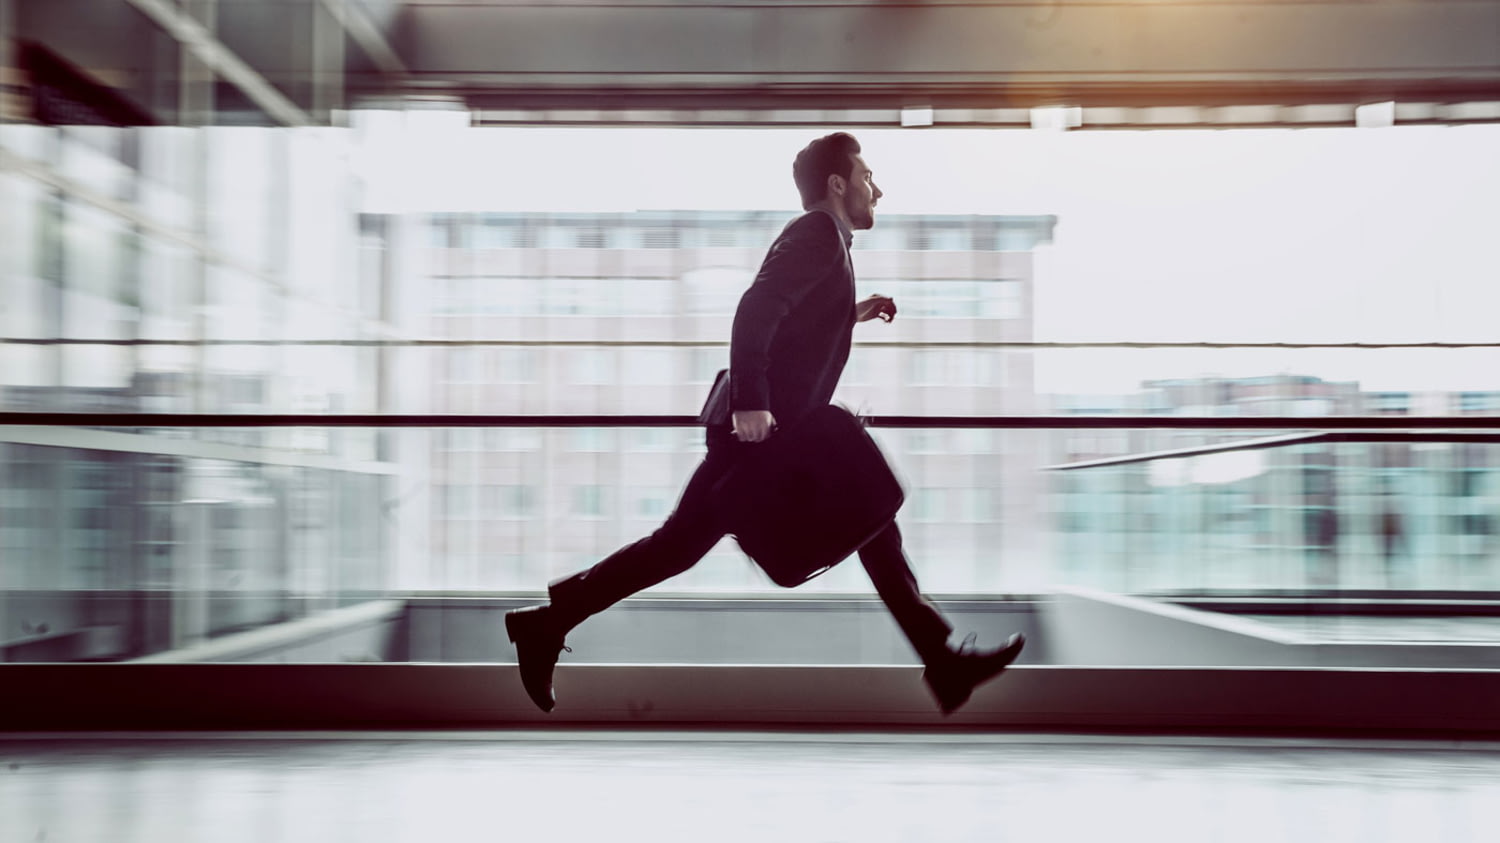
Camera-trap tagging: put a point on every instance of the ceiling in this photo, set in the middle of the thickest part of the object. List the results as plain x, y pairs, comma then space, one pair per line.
290, 61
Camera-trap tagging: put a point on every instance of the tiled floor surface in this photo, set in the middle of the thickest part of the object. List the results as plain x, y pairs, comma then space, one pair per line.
730, 787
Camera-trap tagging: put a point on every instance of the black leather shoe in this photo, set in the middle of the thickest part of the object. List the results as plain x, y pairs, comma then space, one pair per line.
538, 644
953, 677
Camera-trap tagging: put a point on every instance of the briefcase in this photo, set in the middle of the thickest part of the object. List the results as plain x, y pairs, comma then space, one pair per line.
809, 496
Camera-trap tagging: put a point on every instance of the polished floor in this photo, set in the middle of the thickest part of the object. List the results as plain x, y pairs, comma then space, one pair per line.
728, 787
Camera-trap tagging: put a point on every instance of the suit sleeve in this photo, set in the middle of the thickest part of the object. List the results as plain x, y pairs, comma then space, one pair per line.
799, 259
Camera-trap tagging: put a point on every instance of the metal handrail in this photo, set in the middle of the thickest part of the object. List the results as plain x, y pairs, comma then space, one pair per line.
1398, 437
1021, 345
1012, 422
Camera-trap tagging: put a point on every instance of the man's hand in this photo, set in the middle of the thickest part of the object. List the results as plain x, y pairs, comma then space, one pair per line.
877, 305
753, 425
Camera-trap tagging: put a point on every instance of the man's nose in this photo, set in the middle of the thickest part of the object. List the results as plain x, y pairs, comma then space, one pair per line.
878, 192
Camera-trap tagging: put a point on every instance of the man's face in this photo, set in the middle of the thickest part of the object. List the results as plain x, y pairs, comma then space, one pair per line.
861, 195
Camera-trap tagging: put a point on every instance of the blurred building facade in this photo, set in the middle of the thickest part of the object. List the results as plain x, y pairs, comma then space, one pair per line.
630, 313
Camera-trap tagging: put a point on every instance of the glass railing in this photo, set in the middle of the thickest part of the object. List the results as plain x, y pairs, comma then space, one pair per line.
128, 536
1335, 511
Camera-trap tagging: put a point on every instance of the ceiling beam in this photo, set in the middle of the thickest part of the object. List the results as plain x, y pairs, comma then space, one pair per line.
367, 35
212, 52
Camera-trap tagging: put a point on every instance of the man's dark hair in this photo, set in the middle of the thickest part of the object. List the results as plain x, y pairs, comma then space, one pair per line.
830, 155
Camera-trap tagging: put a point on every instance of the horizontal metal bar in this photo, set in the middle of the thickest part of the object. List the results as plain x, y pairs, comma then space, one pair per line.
1398, 437
1195, 451
434, 420
926, 343
1018, 422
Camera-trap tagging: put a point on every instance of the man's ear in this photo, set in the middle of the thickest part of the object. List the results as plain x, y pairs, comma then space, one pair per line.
837, 185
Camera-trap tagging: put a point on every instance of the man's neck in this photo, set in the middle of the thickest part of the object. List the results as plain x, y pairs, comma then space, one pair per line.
836, 210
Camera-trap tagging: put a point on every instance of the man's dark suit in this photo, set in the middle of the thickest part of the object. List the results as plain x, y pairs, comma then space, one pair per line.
791, 337
793, 327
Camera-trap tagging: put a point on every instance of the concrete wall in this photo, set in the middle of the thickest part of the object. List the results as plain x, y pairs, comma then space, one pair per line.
707, 631
1084, 627
1162, 700
367, 632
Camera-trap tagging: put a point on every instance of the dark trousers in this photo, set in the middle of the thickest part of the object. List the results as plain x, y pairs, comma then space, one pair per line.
693, 529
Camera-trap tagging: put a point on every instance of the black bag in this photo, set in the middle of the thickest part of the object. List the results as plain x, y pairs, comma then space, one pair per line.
809, 496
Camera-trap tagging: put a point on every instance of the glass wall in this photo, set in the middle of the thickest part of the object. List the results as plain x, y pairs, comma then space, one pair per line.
168, 269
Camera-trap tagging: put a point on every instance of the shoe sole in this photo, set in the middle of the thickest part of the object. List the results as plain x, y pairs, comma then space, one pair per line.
1019, 645
510, 632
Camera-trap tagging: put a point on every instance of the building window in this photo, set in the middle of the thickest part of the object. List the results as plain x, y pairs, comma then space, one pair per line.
974, 441
926, 441
928, 366
941, 299
572, 297
887, 236
588, 501
1390, 403
653, 503
649, 439
512, 365
648, 366
661, 238
974, 505
1001, 300
1478, 402
523, 439
929, 505
957, 505
857, 370
496, 296
461, 440
715, 290
623, 237
947, 238
508, 501
642, 296
463, 365
593, 440
949, 367
722, 237
558, 237
591, 237
706, 364
591, 367
497, 233
458, 502
440, 232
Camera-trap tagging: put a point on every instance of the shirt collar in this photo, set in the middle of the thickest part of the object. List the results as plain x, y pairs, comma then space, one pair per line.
844, 229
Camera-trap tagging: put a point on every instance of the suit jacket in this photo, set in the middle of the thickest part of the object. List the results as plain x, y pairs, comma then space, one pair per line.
792, 328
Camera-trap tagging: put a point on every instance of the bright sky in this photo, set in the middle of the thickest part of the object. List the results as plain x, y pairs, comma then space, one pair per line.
1372, 235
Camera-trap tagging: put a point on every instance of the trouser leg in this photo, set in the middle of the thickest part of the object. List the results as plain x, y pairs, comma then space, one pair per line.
919, 619
689, 533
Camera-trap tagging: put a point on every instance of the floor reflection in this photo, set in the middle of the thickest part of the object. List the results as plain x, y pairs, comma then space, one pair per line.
698, 786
